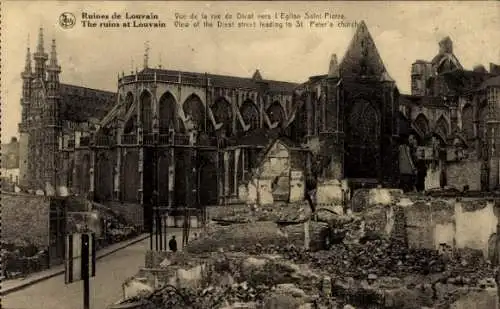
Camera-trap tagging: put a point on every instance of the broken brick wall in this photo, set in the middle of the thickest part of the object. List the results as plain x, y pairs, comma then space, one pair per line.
476, 222
464, 173
467, 224
25, 217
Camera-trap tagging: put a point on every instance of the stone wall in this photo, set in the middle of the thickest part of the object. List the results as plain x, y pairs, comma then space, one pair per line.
465, 173
467, 224
428, 222
132, 212
25, 217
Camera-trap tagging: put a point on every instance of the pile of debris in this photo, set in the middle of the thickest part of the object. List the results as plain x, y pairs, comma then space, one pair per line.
231, 279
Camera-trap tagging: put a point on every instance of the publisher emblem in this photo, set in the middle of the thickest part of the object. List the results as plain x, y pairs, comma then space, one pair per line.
67, 20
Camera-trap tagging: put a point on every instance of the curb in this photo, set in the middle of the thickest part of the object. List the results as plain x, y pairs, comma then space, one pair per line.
60, 272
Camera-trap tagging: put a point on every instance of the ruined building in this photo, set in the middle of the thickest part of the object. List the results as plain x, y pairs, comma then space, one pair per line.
182, 138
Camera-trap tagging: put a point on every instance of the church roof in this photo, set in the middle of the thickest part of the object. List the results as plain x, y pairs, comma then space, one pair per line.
80, 104
460, 81
225, 81
427, 101
362, 57
491, 82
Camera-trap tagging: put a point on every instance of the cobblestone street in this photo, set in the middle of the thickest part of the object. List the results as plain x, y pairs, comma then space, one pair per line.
105, 287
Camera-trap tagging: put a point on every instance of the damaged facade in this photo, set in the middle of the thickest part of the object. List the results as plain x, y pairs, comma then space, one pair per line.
182, 138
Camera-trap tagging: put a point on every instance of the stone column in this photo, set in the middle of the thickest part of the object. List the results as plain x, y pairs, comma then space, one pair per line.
171, 176
140, 165
235, 175
235, 109
226, 174
91, 175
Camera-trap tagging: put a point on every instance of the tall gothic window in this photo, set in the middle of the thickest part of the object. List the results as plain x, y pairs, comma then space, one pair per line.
483, 117
168, 118
442, 127
195, 109
276, 113
250, 114
223, 114
468, 121
146, 112
363, 141
364, 122
422, 124
129, 100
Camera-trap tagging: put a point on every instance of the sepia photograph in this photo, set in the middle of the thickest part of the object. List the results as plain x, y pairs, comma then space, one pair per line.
250, 154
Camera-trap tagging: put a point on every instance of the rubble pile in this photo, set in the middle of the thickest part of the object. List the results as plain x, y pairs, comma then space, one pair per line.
387, 258
284, 212
265, 281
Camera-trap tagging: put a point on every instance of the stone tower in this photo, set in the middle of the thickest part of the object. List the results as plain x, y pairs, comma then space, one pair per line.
51, 123
27, 77
40, 128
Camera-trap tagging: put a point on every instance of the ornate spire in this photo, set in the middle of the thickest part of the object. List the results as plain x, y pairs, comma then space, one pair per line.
40, 48
27, 65
53, 57
257, 76
40, 56
333, 70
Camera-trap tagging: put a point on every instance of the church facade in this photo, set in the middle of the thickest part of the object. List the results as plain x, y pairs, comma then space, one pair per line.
181, 138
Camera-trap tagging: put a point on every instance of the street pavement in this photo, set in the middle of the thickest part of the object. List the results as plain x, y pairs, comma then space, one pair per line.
105, 287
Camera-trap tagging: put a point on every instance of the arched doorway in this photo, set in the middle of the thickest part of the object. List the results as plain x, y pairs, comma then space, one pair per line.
195, 109
250, 114
363, 142
168, 118
146, 112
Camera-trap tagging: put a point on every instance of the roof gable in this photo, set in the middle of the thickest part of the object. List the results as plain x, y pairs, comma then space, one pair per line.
362, 57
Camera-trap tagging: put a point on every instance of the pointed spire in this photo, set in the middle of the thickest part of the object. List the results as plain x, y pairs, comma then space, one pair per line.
146, 54
27, 65
333, 70
40, 48
257, 76
53, 54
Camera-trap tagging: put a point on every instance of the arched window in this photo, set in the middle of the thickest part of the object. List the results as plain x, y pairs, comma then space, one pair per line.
223, 113
146, 112
482, 128
168, 117
364, 123
468, 121
422, 124
250, 114
442, 127
194, 108
276, 113
129, 100
363, 141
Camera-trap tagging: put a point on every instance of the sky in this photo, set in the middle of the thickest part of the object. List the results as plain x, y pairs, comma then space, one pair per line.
93, 57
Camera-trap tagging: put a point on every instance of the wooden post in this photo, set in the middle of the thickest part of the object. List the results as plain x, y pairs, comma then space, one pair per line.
85, 270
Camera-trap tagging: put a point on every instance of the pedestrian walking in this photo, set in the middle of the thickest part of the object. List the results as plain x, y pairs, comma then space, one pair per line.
172, 244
